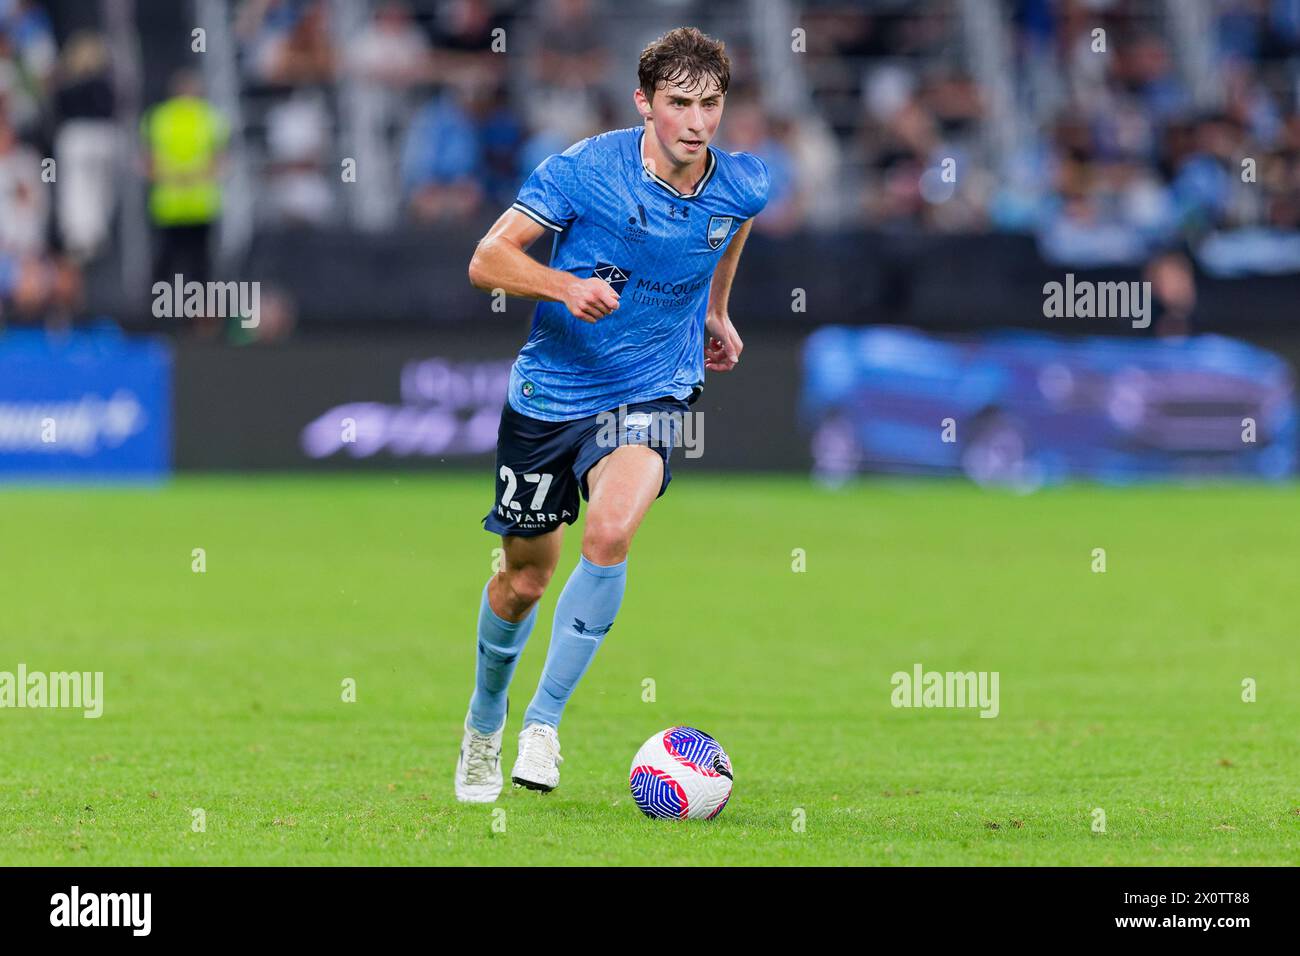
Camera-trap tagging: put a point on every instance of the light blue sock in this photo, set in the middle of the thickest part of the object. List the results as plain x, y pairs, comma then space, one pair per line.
583, 616
499, 645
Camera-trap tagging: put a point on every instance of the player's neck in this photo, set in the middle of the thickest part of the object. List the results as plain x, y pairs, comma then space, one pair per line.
683, 178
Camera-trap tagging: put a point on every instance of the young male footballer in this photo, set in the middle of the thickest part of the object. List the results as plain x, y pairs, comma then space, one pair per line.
647, 227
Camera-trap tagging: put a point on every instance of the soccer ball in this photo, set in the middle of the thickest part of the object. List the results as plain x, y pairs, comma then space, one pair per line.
681, 774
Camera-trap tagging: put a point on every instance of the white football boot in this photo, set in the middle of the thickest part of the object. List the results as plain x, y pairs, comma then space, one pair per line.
478, 771
538, 765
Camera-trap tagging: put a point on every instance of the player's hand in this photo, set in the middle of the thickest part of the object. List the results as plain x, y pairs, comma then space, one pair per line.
722, 346
590, 299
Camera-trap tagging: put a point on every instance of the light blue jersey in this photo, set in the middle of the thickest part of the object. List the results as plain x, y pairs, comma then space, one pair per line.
656, 246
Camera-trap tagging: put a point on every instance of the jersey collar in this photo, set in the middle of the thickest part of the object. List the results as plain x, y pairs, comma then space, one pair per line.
711, 164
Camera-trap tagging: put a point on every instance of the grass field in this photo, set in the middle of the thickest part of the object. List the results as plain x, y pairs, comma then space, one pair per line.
1119, 690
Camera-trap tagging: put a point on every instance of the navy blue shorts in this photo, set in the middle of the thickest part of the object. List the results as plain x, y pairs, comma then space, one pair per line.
542, 466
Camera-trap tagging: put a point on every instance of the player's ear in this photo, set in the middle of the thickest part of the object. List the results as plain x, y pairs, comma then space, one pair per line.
642, 104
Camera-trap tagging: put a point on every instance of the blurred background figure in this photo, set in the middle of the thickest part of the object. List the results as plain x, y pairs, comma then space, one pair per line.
85, 145
26, 204
463, 33
185, 138
28, 54
392, 49
748, 130
568, 68
287, 42
442, 158
297, 142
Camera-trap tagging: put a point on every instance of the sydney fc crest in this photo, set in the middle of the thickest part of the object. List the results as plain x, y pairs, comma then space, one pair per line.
615, 276
719, 229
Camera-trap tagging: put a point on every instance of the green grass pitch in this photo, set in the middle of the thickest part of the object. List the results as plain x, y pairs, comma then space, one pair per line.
1119, 690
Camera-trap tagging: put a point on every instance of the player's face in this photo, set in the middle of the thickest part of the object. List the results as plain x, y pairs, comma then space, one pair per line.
685, 120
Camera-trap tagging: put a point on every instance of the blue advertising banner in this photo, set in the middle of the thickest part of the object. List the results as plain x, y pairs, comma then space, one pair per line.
84, 406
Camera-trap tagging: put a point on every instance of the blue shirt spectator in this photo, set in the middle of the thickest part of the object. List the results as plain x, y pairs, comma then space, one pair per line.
442, 146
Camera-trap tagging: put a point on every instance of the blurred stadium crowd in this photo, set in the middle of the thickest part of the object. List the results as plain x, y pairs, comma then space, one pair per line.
1176, 129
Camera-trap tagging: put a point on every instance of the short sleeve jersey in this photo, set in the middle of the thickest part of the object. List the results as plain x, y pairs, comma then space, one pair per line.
657, 247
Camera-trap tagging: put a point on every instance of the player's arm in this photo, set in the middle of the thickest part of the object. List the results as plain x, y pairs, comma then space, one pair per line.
723, 347
501, 261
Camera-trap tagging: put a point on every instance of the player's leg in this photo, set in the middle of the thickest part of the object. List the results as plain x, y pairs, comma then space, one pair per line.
507, 612
506, 616
526, 571
622, 486
536, 495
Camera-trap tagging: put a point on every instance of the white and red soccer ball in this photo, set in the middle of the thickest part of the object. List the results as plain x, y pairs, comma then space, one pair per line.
681, 774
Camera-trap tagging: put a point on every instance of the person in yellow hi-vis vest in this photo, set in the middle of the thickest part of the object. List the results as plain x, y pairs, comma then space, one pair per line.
185, 138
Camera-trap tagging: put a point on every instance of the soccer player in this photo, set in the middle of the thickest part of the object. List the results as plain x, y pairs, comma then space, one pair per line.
647, 227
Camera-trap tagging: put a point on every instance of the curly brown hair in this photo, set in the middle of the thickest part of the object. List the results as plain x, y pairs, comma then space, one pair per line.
685, 56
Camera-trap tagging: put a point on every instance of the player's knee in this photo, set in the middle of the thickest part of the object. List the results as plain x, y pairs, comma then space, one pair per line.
525, 586
606, 540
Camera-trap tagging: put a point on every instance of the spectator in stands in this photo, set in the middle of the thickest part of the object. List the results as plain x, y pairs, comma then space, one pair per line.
1144, 70
85, 145
1238, 29
1173, 290
1079, 229
185, 139
464, 33
460, 151
817, 166
18, 97
568, 69
747, 130
32, 41
1203, 181
896, 143
297, 133
24, 198
441, 159
261, 27
392, 49
286, 42
501, 137
955, 100
34, 284
24, 287
1249, 103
